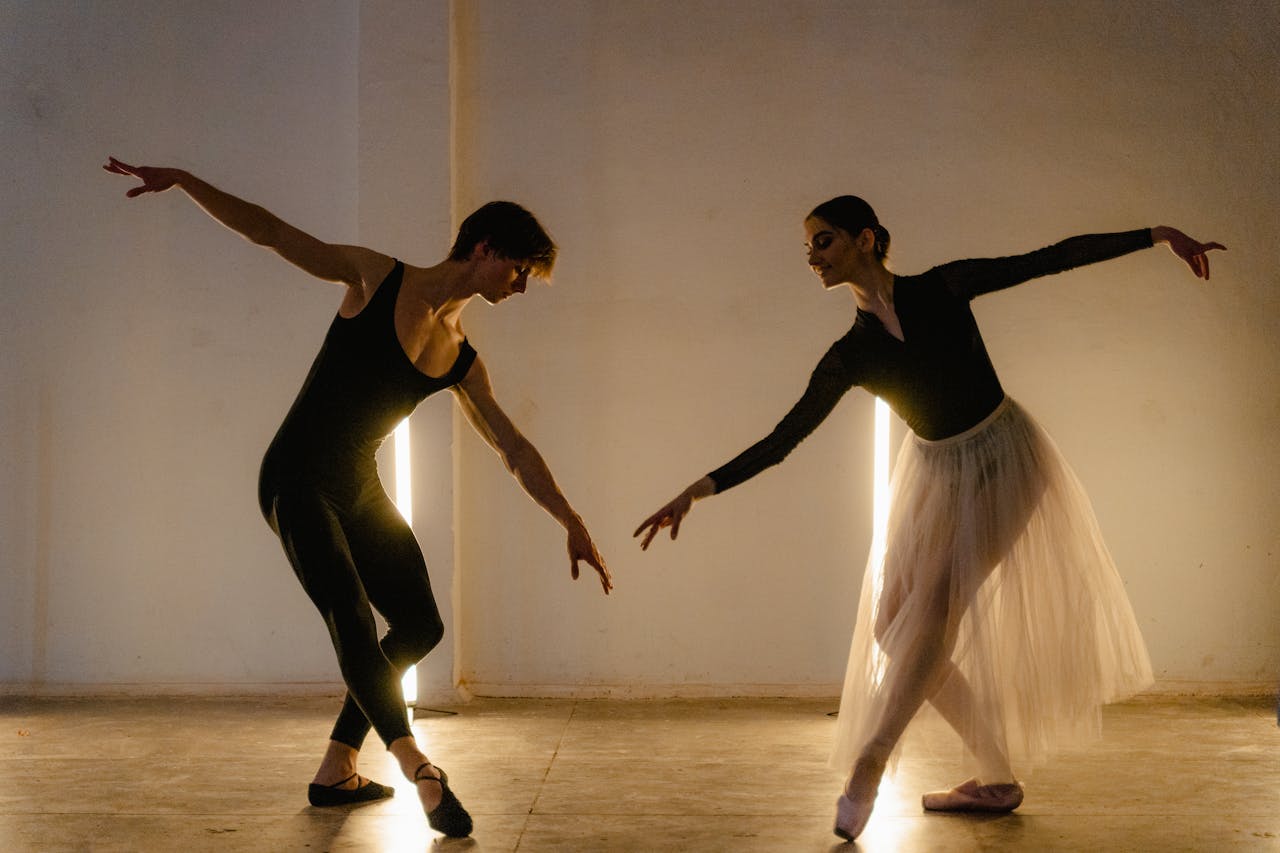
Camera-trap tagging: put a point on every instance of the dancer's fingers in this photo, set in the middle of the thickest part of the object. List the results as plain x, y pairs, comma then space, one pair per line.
653, 519
122, 167
606, 579
593, 559
665, 521
1204, 253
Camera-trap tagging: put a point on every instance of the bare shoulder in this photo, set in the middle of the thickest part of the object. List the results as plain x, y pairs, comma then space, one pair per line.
370, 268
365, 270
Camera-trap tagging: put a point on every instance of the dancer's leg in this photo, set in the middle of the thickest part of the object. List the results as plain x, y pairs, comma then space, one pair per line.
914, 670
954, 698
955, 702
995, 789
313, 538
394, 575
911, 676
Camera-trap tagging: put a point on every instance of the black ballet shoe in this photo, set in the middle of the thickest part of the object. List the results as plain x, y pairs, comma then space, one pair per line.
449, 817
333, 795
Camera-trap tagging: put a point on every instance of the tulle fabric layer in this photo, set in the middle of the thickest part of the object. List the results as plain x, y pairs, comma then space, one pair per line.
993, 556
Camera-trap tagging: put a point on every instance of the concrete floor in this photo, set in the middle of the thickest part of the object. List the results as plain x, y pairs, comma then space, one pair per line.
540, 775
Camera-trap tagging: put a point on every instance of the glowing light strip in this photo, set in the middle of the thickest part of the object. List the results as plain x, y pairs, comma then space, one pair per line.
404, 503
404, 489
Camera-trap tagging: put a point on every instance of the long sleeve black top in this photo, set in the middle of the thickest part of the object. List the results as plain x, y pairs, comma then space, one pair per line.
939, 379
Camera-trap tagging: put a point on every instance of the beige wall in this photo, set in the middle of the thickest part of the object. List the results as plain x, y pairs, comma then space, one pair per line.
672, 150
150, 355
674, 154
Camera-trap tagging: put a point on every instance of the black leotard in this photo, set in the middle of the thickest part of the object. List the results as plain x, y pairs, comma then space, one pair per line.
360, 386
347, 543
940, 380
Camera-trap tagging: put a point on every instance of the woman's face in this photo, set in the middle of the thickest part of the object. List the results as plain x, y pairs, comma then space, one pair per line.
831, 251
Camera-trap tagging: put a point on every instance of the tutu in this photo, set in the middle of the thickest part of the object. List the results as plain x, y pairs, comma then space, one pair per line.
996, 600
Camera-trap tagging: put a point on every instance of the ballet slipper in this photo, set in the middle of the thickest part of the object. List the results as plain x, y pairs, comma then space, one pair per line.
335, 795
852, 816
852, 813
449, 817
973, 796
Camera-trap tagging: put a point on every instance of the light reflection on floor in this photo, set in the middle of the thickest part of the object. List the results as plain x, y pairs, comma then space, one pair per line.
541, 775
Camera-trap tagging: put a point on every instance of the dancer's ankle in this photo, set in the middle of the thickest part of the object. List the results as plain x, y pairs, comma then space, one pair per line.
864, 780
339, 763
407, 754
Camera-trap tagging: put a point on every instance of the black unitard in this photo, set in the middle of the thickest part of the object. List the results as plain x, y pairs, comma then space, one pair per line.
347, 543
939, 380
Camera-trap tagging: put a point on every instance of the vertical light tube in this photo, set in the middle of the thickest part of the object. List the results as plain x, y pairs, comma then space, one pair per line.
404, 489
404, 503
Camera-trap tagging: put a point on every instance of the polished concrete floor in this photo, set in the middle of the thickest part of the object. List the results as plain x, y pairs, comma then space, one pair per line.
542, 775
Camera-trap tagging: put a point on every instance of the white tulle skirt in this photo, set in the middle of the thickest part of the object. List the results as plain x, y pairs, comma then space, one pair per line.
996, 600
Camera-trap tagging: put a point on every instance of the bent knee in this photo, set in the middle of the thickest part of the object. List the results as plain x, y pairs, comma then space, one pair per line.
415, 641
887, 611
917, 613
429, 635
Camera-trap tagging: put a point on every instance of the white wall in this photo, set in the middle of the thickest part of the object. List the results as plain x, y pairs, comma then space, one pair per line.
672, 149
150, 354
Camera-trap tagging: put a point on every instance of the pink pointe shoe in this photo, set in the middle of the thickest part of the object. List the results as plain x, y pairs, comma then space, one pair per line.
852, 816
972, 796
852, 813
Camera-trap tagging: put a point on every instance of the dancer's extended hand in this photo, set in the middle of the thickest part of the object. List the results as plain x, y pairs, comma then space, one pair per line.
154, 179
674, 512
1193, 252
582, 549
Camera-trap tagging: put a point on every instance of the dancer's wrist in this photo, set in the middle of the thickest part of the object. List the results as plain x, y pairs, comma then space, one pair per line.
703, 488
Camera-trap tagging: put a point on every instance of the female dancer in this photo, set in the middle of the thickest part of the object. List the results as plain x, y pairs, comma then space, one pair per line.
396, 339
996, 600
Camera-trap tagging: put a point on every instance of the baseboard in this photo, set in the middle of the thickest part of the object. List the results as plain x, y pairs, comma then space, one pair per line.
683, 690
193, 689
1170, 687
1162, 689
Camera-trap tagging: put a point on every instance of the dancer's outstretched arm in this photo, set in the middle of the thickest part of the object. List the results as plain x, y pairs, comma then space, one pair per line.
354, 266
977, 276
475, 396
827, 384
